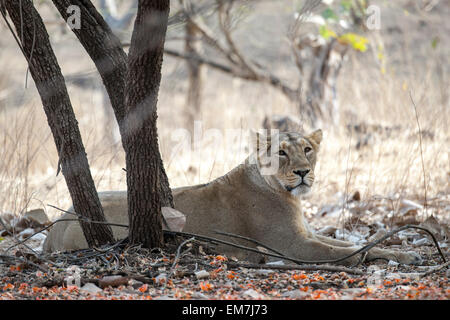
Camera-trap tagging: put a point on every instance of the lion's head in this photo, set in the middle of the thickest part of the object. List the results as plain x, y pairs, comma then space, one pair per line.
287, 160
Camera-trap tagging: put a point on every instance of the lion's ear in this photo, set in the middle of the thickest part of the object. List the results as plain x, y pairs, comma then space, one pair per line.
316, 136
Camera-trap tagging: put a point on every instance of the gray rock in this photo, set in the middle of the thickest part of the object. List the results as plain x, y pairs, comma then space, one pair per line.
253, 294
174, 218
91, 288
202, 274
263, 272
199, 295
37, 216
296, 294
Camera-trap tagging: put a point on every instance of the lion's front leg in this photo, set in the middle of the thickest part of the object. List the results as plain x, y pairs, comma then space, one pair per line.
313, 249
377, 253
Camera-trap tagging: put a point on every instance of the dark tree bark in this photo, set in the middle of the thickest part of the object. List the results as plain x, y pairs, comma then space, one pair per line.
141, 139
106, 51
51, 86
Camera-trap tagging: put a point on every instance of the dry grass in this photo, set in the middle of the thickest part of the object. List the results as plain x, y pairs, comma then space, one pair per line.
389, 168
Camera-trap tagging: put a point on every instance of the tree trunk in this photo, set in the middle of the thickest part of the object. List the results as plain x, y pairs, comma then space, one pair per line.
141, 138
193, 99
106, 51
51, 86
320, 101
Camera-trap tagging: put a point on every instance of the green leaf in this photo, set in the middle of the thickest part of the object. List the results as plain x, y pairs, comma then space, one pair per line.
435, 42
346, 5
328, 14
1, 239
326, 32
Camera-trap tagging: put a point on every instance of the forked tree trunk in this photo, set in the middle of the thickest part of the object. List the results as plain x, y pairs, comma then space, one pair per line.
51, 86
141, 138
106, 51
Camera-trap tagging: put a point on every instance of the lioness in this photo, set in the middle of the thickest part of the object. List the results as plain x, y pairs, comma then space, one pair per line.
265, 207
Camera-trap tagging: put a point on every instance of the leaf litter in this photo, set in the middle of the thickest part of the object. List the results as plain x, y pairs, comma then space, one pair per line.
196, 270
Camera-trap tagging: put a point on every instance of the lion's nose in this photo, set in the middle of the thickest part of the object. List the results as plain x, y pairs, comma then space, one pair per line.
301, 173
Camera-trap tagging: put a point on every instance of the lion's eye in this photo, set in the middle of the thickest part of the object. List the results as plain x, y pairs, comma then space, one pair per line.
282, 153
307, 149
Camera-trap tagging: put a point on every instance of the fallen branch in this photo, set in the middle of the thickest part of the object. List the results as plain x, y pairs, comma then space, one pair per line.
434, 270
177, 257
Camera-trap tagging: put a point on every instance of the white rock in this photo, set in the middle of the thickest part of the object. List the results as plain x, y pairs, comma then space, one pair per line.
253, 294
443, 244
263, 272
174, 218
421, 242
39, 236
202, 274
276, 263
25, 234
91, 288
393, 263
199, 295
296, 294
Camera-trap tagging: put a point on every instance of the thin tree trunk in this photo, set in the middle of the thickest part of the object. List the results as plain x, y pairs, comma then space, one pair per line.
106, 51
51, 86
193, 99
141, 139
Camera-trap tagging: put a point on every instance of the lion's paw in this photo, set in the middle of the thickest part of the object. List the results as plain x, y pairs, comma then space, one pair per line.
409, 257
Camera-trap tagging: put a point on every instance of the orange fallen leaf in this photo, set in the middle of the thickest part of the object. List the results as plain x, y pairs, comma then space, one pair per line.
299, 276
8, 286
221, 258
143, 288
304, 289
206, 286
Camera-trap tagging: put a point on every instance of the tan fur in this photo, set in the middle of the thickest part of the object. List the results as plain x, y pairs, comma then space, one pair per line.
245, 202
